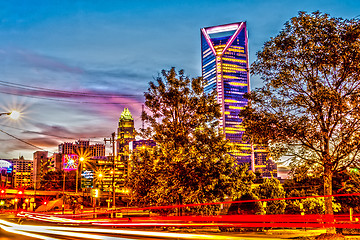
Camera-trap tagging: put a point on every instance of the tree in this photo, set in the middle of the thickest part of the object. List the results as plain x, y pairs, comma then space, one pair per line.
53, 180
271, 189
309, 101
344, 183
190, 163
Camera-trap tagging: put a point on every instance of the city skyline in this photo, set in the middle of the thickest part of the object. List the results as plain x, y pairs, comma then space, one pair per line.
73, 68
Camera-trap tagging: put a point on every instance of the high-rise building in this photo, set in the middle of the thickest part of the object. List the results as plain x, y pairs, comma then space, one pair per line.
66, 148
225, 67
126, 130
97, 150
125, 134
6, 171
225, 64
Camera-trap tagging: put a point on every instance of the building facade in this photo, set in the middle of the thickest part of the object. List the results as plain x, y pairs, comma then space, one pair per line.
225, 67
6, 171
225, 64
125, 134
41, 164
23, 173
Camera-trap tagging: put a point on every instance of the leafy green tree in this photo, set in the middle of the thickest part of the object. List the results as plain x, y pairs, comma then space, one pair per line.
309, 104
54, 180
271, 189
252, 207
344, 183
190, 163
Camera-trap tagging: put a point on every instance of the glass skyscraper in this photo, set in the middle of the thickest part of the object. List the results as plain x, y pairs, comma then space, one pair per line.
225, 65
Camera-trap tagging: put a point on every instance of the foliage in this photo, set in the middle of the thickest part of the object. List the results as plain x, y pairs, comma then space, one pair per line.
271, 189
304, 182
308, 107
311, 205
54, 180
344, 183
253, 207
190, 163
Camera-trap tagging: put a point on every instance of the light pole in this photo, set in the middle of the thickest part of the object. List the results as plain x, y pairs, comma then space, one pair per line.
81, 159
63, 196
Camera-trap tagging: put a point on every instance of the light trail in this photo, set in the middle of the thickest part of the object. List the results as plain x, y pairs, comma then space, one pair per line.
76, 232
13, 229
286, 221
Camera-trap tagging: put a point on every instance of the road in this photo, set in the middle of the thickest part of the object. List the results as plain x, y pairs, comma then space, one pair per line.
41, 230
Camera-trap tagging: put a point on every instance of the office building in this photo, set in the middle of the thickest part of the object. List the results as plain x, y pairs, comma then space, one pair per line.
225, 67
23, 173
6, 171
225, 64
125, 134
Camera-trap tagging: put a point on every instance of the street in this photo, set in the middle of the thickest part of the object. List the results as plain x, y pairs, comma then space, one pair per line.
41, 230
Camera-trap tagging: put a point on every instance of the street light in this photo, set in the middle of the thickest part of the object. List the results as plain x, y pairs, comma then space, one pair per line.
81, 159
13, 115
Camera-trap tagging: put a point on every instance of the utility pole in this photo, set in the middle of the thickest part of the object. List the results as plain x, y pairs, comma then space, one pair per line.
112, 141
142, 120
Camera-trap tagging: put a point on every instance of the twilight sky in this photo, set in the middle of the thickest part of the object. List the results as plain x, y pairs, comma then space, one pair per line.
72, 66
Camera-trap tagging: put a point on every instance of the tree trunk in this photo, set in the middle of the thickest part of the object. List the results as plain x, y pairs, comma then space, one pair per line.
329, 213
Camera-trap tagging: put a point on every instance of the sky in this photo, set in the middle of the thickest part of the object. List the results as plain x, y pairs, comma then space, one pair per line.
71, 67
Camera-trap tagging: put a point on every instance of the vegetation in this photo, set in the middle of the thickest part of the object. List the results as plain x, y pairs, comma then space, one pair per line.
271, 189
54, 180
190, 163
308, 107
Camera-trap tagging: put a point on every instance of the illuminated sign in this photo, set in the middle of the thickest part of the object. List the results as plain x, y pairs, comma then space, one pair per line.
70, 162
87, 179
5, 164
87, 174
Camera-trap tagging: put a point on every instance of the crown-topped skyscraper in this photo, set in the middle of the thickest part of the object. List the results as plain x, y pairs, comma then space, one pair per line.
225, 64
126, 130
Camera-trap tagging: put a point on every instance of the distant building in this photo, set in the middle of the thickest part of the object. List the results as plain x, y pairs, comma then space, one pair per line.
66, 148
225, 67
41, 164
55, 162
105, 165
126, 130
6, 170
125, 134
22, 173
263, 164
139, 143
97, 150
82, 148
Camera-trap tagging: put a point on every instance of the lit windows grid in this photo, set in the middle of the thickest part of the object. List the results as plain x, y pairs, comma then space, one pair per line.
230, 71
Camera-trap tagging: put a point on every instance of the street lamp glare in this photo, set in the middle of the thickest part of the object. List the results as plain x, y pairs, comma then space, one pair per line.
14, 115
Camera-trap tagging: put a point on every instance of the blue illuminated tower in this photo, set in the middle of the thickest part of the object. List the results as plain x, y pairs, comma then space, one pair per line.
225, 64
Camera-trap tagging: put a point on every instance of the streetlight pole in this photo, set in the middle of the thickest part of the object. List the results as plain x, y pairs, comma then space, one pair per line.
81, 159
63, 197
